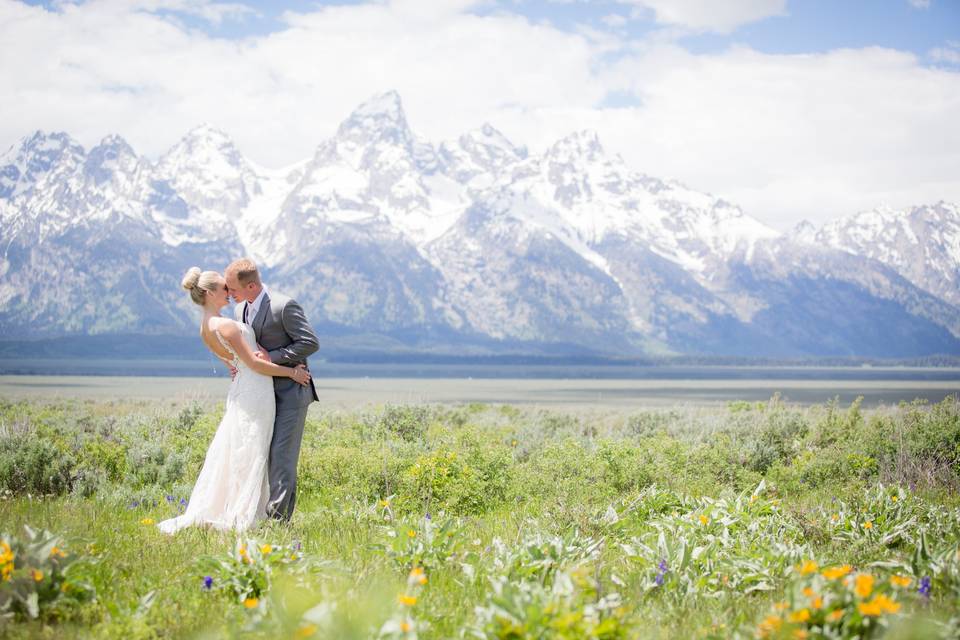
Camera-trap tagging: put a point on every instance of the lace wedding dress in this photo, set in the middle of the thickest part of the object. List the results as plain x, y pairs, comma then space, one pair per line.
232, 489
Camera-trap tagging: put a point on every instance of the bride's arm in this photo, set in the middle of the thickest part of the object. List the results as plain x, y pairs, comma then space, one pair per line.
231, 333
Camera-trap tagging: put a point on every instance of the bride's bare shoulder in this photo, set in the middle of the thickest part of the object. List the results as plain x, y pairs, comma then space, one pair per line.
224, 326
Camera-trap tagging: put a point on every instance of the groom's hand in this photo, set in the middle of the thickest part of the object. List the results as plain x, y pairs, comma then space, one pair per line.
262, 353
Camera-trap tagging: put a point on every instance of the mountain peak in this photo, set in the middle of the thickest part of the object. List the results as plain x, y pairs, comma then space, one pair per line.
36, 155
804, 231
207, 131
386, 104
116, 142
42, 143
379, 118
489, 136
203, 148
584, 143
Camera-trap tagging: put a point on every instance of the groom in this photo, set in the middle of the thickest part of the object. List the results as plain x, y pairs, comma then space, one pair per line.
284, 337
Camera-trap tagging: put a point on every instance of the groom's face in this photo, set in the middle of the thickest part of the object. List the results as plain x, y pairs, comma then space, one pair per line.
239, 292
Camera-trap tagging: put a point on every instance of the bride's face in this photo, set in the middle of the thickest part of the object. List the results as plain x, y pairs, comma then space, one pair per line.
219, 297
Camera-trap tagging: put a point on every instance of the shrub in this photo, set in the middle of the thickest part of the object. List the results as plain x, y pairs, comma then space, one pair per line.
442, 479
152, 463
410, 422
33, 465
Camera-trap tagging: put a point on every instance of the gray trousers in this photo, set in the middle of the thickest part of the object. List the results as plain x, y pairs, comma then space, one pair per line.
284, 455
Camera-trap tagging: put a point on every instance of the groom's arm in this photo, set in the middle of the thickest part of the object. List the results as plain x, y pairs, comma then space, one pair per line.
304, 340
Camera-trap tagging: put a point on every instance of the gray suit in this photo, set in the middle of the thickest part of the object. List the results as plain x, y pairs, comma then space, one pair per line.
283, 330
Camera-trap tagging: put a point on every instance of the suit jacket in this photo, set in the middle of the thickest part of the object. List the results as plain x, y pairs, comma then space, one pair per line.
282, 329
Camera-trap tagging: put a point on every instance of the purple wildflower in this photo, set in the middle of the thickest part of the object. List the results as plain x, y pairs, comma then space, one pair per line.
428, 515
924, 588
662, 569
207, 582
296, 545
170, 498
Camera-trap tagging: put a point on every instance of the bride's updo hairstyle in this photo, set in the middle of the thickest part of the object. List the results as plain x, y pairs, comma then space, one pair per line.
199, 283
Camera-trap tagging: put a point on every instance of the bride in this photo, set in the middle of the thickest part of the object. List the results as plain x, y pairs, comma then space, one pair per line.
232, 489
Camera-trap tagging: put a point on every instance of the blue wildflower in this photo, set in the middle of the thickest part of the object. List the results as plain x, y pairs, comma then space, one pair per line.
924, 588
133, 505
207, 582
170, 498
428, 515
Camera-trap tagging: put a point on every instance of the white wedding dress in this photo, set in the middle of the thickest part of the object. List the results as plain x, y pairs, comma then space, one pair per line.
232, 489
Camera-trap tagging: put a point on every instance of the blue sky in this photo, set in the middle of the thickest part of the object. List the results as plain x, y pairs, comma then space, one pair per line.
792, 109
809, 26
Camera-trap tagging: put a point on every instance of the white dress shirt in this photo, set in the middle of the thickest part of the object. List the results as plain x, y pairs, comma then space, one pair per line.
253, 307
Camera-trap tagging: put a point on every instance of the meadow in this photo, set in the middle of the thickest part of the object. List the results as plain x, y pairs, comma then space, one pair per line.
753, 519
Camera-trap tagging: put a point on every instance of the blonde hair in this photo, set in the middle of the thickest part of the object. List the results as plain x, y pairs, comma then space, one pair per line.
245, 270
199, 283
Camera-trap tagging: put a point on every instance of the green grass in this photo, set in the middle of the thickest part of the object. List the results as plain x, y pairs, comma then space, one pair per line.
667, 524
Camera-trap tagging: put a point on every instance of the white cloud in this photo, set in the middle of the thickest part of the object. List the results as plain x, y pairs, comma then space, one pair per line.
786, 137
722, 16
919, 4
949, 54
614, 20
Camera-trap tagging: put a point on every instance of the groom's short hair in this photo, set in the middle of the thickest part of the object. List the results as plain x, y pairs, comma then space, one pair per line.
245, 270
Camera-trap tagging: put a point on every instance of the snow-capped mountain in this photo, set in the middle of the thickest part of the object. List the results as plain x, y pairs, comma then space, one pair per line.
921, 243
474, 241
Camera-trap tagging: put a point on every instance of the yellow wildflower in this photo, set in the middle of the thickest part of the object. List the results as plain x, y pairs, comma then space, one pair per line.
894, 498
833, 616
809, 592
57, 552
250, 603
834, 573
801, 615
782, 606
800, 634
405, 626
704, 520
868, 524
863, 585
886, 603
770, 624
406, 600
900, 581
36, 574
871, 608
817, 603
411, 533
147, 521
835, 517
265, 549
753, 498
418, 576
306, 631
808, 567
384, 503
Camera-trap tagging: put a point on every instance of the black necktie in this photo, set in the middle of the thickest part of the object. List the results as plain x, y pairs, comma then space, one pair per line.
246, 308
